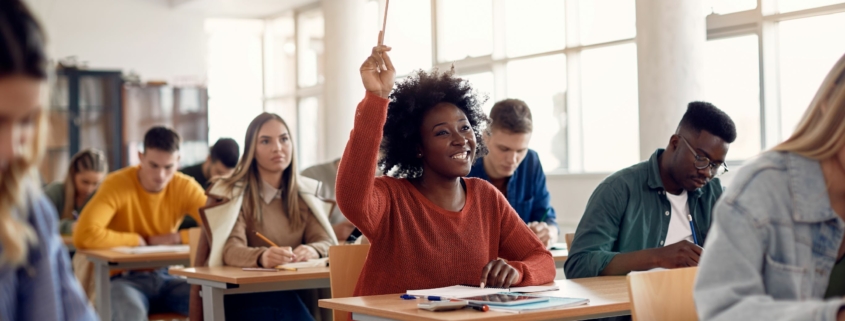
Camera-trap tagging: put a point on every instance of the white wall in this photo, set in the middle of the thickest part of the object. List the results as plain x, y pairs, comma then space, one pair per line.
147, 36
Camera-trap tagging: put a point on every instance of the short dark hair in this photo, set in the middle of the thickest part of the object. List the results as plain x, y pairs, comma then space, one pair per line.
226, 151
702, 115
22, 40
409, 101
512, 115
161, 138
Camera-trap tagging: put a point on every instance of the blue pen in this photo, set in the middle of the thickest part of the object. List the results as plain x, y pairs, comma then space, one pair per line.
437, 298
692, 229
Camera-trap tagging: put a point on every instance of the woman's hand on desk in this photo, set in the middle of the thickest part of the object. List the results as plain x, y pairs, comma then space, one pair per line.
275, 256
305, 253
498, 273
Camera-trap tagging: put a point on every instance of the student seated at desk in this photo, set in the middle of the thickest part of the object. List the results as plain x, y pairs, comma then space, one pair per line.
36, 282
777, 247
427, 225
515, 170
264, 195
143, 205
221, 161
85, 173
639, 217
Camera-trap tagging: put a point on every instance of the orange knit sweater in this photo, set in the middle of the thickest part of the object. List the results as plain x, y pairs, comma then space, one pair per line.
414, 243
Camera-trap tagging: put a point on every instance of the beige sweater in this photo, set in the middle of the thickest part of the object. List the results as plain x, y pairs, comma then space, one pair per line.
243, 248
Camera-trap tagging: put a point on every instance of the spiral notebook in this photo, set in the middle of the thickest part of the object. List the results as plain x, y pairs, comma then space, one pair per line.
463, 291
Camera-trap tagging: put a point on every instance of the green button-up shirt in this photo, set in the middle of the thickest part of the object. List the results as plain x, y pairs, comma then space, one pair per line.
629, 212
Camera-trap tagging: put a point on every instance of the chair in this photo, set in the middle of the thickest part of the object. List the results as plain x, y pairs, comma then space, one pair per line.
345, 264
193, 242
568, 237
663, 295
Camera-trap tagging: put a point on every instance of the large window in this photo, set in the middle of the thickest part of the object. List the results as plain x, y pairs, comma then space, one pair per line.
732, 83
765, 64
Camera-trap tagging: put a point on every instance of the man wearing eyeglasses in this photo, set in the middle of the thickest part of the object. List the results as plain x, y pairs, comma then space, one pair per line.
656, 214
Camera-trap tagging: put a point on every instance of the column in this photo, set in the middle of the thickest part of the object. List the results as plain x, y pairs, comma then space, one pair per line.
671, 37
345, 49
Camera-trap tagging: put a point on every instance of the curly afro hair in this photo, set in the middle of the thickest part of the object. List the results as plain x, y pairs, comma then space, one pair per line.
409, 101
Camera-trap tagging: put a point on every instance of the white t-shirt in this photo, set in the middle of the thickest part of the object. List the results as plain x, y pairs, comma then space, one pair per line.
679, 228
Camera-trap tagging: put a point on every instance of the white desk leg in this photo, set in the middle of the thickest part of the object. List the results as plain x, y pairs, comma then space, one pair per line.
103, 283
212, 304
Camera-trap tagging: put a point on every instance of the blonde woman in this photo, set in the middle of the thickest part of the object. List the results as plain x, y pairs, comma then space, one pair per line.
86, 172
776, 250
35, 278
265, 195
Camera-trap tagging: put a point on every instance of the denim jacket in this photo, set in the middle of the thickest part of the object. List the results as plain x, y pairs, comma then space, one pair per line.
773, 245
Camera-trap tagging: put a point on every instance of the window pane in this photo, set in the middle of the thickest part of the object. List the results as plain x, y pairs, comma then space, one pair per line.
606, 20
464, 29
310, 45
808, 50
484, 84
609, 107
526, 20
279, 57
540, 82
285, 108
795, 5
409, 33
234, 76
732, 83
308, 132
730, 6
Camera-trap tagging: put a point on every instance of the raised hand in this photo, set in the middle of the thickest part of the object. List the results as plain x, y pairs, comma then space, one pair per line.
377, 72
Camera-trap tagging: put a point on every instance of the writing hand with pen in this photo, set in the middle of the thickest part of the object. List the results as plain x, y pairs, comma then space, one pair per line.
276, 255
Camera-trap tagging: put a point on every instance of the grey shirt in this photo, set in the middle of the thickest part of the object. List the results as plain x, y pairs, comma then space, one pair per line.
55, 192
326, 173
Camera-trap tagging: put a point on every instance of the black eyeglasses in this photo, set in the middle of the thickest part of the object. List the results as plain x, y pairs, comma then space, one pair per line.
702, 162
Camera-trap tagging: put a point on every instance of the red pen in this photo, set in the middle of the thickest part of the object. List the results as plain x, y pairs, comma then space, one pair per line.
478, 307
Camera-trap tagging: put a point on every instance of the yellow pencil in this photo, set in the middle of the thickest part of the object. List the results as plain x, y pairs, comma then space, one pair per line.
281, 267
266, 239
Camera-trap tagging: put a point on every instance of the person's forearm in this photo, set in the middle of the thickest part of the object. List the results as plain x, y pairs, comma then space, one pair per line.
624, 263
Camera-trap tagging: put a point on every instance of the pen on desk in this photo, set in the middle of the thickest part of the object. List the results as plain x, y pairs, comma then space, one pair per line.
692, 229
478, 307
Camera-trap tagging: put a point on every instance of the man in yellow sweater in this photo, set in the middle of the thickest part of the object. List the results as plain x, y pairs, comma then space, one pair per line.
143, 205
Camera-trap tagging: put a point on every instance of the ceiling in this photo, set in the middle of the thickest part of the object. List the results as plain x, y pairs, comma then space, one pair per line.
238, 8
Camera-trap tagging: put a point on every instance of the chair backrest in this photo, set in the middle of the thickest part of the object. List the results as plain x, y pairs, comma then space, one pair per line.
663, 295
568, 237
345, 264
193, 242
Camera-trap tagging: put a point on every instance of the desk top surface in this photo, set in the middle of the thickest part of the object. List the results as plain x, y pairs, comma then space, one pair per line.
606, 295
236, 275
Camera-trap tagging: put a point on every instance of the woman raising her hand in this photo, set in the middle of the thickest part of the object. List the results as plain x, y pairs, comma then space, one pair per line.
428, 225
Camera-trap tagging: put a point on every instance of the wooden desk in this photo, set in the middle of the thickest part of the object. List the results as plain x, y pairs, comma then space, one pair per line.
608, 297
219, 281
107, 260
560, 257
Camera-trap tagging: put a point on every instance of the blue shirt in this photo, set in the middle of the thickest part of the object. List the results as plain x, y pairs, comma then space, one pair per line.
43, 288
526, 190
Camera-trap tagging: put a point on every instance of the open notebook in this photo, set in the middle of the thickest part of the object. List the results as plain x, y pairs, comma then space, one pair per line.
316, 263
463, 291
181, 248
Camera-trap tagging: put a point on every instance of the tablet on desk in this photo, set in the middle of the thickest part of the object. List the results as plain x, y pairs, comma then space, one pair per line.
505, 299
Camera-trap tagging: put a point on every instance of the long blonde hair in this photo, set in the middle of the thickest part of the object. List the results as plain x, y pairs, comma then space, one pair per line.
22, 45
246, 175
86, 160
821, 132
